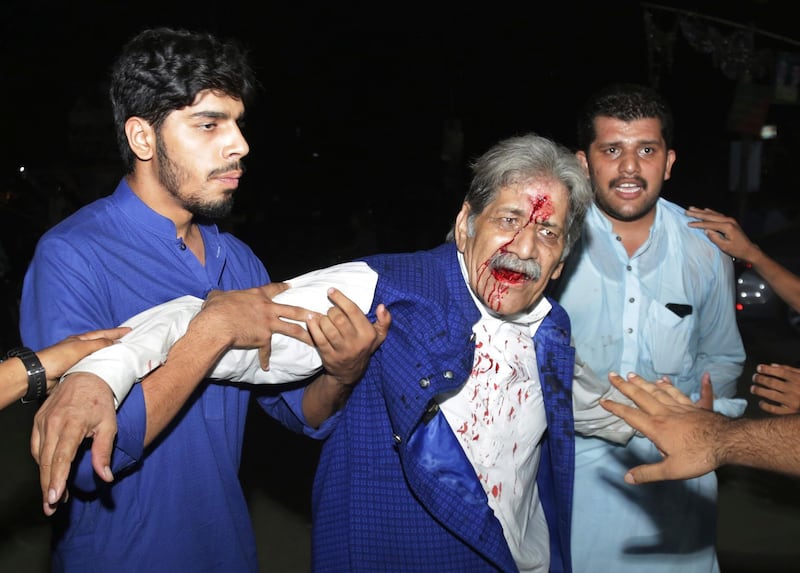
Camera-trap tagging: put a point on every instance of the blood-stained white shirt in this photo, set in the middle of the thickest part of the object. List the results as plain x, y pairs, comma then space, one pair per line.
499, 418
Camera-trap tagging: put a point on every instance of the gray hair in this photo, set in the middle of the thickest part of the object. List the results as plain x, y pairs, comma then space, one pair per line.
524, 157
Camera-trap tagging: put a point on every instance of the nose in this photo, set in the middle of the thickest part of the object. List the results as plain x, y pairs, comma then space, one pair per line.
237, 147
629, 162
525, 243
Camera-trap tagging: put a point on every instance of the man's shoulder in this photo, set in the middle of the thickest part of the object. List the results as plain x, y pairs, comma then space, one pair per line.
674, 216
413, 263
432, 279
94, 217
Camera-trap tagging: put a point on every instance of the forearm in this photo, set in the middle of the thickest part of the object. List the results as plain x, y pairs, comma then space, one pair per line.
13, 381
764, 443
591, 419
785, 283
323, 398
168, 388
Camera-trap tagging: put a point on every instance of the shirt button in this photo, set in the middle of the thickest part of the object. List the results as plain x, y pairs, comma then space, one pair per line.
424, 383
631, 299
183, 246
619, 238
397, 439
448, 374
630, 331
628, 267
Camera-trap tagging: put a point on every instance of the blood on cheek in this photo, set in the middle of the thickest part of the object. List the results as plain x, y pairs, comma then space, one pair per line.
541, 210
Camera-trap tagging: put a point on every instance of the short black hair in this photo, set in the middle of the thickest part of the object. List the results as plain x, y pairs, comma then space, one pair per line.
163, 69
625, 101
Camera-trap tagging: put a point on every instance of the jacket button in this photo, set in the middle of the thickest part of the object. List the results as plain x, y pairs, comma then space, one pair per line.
448, 374
424, 383
397, 439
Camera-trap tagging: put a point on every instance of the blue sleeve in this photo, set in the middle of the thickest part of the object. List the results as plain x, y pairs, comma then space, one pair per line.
60, 299
287, 408
720, 348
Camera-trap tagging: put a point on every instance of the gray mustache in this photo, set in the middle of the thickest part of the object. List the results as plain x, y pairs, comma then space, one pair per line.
511, 262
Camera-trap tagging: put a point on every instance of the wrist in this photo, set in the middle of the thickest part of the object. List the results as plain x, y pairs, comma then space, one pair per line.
37, 377
754, 256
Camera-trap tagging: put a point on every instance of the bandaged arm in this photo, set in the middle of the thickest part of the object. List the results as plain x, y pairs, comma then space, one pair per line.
591, 419
155, 330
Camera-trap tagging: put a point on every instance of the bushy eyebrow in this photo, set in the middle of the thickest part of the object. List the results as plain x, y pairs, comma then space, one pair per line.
550, 224
523, 213
638, 143
209, 114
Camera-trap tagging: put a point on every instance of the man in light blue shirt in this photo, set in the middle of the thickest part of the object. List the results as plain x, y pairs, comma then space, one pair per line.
645, 294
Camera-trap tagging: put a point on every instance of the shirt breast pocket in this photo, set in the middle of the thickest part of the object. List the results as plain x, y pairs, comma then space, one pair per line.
668, 336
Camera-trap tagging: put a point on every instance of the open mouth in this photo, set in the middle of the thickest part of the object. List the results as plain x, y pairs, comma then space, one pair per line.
509, 276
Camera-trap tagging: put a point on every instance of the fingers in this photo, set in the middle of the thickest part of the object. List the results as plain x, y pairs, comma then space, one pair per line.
780, 384
647, 473
271, 290
636, 388
109, 333
346, 338
782, 371
633, 416
102, 447
344, 319
292, 329
264, 352
382, 323
777, 409
706, 214
706, 400
81, 407
651, 397
53, 451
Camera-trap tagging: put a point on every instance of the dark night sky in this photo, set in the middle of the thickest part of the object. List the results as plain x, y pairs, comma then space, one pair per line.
357, 97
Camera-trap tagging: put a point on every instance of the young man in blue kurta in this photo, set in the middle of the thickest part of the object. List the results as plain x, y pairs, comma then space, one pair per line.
176, 503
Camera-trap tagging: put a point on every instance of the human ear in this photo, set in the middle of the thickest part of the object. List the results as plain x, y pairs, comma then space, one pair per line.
581, 155
461, 227
557, 271
141, 138
670, 162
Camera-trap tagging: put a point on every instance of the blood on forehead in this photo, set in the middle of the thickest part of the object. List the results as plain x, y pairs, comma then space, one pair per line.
541, 208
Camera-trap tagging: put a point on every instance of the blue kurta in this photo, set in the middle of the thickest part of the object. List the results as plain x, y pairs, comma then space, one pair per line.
394, 490
177, 506
621, 323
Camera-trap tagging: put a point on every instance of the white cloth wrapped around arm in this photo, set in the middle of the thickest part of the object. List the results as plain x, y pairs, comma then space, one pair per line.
155, 330
591, 419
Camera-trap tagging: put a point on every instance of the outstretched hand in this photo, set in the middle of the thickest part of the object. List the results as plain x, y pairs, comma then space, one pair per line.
683, 431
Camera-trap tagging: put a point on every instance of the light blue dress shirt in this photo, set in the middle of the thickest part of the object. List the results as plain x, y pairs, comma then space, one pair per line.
621, 322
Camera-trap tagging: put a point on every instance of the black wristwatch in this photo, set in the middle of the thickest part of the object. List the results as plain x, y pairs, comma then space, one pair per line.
37, 378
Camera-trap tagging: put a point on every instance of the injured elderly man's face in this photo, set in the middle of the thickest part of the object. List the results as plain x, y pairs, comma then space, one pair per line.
514, 247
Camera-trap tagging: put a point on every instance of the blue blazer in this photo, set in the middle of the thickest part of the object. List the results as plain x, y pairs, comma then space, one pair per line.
394, 490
